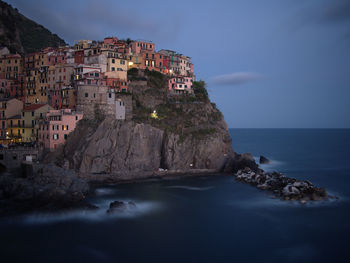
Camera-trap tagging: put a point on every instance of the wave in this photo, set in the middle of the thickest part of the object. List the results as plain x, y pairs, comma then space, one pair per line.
191, 188
142, 208
105, 191
269, 167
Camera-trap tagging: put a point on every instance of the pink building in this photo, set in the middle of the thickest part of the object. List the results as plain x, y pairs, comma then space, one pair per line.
138, 46
54, 130
181, 85
110, 40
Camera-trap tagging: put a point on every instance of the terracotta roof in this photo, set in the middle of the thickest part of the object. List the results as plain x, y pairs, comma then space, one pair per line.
33, 107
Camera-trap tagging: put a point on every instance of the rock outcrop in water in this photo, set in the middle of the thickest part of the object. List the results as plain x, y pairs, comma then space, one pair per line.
48, 188
282, 186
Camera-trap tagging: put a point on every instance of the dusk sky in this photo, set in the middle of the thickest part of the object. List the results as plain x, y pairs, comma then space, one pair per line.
268, 64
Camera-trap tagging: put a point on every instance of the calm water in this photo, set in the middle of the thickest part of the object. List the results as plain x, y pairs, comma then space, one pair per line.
211, 219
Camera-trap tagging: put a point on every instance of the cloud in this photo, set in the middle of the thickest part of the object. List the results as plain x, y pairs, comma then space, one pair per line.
236, 78
322, 13
336, 11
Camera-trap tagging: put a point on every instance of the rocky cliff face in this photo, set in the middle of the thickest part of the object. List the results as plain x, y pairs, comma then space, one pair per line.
186, 134
23, 35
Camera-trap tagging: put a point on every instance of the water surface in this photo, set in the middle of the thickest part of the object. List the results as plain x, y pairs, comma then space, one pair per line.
206, 219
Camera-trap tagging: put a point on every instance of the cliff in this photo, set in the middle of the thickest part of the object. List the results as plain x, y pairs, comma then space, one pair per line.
186, 133
22, 35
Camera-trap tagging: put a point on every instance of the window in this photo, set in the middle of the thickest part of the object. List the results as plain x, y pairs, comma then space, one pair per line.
65, 136
86, 95
113, 68
55, 136
110, 95
113, 60
32, 113
76, 118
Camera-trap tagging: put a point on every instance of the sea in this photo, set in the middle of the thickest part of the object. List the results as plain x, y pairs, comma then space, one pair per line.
206, 219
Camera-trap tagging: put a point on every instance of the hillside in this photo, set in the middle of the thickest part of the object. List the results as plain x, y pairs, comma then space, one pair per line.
23, 35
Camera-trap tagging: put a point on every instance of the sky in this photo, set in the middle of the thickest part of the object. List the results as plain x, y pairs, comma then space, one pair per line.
267, 64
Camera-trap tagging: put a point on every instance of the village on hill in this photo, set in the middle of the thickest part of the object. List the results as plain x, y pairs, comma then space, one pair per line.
44, 94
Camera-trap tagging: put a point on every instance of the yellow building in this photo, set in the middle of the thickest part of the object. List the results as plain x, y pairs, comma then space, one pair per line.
117, 68
82, 44
10, 66
33, 86
135, 61
8, 108
15, 128
24, 127
43, 92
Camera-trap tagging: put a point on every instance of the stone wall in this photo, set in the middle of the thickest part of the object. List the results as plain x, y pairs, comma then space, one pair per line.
90, 95
11, 158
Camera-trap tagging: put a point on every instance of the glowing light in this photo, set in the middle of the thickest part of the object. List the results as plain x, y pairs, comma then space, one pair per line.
154, 115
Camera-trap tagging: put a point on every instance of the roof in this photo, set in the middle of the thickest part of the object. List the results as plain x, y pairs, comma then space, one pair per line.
33, 107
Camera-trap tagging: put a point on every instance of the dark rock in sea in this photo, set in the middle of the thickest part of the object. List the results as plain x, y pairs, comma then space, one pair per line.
119, 206
48, 188
241, 162
264, 160
281, 186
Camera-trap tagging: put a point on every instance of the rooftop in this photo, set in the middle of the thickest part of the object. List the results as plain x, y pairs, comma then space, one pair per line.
33, 107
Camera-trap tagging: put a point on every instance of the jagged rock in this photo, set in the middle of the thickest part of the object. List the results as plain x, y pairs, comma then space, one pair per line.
129, 147
263, 160
118, 206
281, 186
49, 188
290, 190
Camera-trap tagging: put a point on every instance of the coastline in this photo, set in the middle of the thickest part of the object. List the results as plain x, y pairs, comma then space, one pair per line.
136, 177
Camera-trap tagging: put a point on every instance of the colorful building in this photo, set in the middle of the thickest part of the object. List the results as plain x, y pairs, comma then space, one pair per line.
31, 115
10, 66
9, 107
54, 128
180, 85
141, 45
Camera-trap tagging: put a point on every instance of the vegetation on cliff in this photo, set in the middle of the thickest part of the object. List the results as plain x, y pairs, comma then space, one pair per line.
186, 115
22, 35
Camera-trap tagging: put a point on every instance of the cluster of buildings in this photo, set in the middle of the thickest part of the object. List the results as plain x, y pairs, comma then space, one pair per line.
44, 94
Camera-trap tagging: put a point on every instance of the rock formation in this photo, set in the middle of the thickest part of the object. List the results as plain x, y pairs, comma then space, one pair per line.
48, 188
282, 186
263, 160
187, 134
